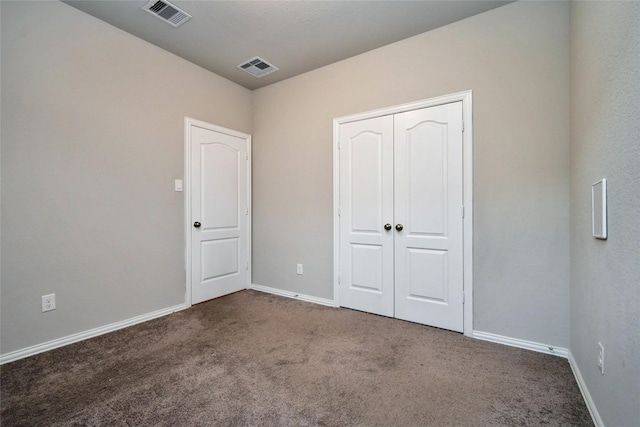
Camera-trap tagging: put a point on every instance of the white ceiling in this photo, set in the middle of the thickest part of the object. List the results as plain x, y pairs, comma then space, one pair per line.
295, 36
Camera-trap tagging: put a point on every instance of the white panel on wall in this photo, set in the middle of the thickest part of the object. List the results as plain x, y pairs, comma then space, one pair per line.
599, 209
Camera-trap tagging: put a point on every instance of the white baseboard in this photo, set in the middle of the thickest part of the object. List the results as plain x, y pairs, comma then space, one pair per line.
70, 339
585, 392
527, 345
288, 294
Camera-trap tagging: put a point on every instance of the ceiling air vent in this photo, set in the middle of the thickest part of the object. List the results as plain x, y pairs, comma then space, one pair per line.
167, 12
257, 67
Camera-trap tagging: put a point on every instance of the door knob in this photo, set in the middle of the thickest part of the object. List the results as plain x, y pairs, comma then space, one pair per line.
387, 227
399, 227
197, 224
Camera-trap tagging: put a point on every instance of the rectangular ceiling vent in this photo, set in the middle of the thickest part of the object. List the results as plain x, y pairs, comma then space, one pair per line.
257, 67
168, 12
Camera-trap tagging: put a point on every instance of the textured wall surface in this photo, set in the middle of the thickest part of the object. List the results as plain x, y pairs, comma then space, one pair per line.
92, 139
605, 143
515, 59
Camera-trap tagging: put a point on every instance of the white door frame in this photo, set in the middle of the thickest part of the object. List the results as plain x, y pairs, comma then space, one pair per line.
188, 123
467, 171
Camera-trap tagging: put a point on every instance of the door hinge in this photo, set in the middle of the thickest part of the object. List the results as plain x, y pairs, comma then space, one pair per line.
338, 211
338, 279
247, 267
463, 298
246, 211
462, 212
339, 145
463, 126
247, 157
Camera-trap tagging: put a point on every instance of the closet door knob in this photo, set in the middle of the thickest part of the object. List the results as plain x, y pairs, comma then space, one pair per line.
197, 224
399, 227
387, 227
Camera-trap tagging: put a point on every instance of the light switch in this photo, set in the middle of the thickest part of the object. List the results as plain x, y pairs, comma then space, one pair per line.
178, 185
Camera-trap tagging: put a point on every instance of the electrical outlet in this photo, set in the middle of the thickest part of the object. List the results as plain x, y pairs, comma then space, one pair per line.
601, 358
299, 269
48, 302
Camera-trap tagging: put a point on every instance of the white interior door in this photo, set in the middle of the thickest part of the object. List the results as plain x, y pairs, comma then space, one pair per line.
366, 205
219, 210
401, 230
428, 204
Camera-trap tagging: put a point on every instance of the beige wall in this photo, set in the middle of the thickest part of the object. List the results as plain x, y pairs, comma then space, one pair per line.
105, 227
605, 143
515, 59
92, 140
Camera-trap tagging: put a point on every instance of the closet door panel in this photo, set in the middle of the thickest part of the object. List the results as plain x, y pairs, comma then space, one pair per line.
428, 204
366, 205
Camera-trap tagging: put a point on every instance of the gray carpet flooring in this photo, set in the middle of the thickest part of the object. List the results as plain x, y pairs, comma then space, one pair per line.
254, 359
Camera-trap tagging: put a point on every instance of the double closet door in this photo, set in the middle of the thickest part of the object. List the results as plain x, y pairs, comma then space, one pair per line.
401, 216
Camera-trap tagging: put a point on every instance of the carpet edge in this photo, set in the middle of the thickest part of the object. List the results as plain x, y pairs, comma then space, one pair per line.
91, 333
516, 342
289, 294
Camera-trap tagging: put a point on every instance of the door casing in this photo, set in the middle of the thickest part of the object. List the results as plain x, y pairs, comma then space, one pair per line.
188, 123
467, 196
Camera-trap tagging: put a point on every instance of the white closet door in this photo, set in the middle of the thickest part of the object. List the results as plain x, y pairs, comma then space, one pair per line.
366, 205
428, 205
403, 171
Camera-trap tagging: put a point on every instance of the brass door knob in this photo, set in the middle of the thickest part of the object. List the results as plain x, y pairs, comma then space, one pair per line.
399, 227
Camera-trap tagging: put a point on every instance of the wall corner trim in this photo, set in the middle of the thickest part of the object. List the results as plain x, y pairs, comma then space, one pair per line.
81, 336
288, 294
527, 345
595, 416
